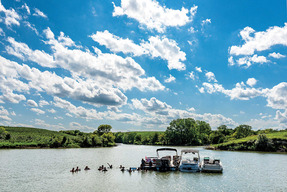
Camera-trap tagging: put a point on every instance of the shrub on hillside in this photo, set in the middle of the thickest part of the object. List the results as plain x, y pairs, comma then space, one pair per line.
263, 143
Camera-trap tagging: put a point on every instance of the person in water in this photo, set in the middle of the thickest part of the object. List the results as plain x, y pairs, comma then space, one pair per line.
73, 170
78, 169
110, 166
87, 168
130, 170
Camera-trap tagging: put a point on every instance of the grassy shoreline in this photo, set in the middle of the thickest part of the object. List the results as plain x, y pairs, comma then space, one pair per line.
274, 142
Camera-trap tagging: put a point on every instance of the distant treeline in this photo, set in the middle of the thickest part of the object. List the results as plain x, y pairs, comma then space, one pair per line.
180, 132
21, 137
189, 132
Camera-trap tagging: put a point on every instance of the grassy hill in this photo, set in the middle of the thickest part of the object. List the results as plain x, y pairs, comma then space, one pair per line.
276, 141
24, 137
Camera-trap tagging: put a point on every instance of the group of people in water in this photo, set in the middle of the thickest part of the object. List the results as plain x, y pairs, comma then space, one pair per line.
78, 169
104, 169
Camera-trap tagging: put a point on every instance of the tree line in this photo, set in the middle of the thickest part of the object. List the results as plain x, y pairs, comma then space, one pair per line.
188, 132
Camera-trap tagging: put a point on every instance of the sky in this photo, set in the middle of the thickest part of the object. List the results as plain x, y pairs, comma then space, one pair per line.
139, 64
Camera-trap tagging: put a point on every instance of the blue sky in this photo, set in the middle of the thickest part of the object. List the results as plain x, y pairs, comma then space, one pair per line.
137, 65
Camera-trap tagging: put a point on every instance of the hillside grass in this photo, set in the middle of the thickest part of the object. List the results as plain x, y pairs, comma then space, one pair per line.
247, 143
26, 134
26, 137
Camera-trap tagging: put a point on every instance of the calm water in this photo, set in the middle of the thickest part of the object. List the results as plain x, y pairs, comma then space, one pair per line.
48, 170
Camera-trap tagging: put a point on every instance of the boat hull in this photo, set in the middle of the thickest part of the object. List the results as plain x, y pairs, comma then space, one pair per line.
212, 169
192, 168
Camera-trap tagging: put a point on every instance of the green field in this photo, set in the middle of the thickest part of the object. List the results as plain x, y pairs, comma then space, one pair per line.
24, 137
276, 141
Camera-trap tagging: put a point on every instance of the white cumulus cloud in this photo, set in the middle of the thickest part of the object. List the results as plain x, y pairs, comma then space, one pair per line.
156, 46
251, 82
32, 103
170, 79
11, 16
210, 76
154, 16
276, 55
39, 13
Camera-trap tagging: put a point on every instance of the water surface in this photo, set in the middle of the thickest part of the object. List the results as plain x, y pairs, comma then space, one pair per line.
48, 170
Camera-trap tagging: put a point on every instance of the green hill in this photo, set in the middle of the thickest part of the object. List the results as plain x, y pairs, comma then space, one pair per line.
276, 141
24, 137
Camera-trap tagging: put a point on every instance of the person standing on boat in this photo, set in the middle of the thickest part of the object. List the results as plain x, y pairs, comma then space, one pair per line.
142, 164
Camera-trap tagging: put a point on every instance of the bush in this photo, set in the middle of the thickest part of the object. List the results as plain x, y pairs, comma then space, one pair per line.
3, 133
263, 143
73, 145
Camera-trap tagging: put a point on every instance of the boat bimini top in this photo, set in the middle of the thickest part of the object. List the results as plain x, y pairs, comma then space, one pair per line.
193, 151
165, 149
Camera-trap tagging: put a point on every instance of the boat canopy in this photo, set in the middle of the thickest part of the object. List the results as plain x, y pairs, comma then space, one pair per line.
166, 149
189, 151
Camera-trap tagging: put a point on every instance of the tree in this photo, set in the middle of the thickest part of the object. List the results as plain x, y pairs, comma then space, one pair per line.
187, 132
108, 139
138, 139
104, 129
224, 130
3, 133
154, 138
242, 131
96, 140
119, 137
216, 137
204, 130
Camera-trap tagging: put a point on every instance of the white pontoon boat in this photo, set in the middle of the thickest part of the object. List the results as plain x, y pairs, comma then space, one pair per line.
167, 162
211, 165
190, 160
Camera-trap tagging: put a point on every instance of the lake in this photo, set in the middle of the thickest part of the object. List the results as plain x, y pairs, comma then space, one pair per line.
49, 170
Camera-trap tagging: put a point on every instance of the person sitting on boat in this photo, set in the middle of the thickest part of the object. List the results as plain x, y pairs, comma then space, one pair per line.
87, 168
122, 168
78, 169
73, 170
104, 169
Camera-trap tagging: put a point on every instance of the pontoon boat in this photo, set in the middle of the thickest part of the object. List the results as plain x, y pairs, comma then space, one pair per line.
190, 160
